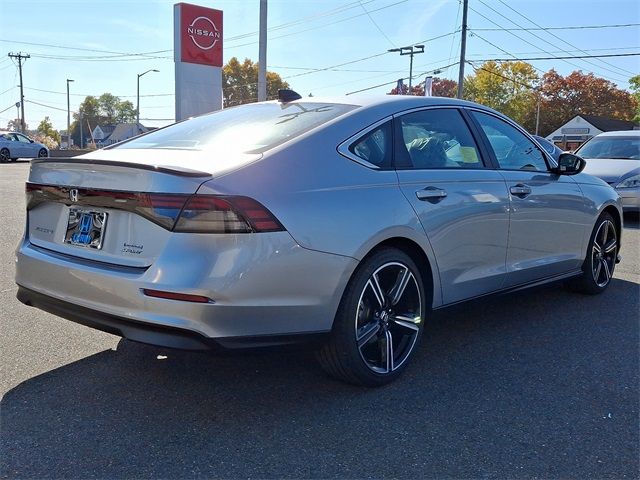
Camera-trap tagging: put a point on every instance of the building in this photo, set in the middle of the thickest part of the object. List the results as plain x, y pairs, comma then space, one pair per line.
109, 134
582, 127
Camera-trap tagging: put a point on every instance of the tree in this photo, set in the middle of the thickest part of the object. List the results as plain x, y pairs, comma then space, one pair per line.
508, 87
240, 83
45, 128
15, 125
565, 97
107, 109
443, 87
635, 88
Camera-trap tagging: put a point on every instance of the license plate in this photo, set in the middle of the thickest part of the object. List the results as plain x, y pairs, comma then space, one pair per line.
85, 228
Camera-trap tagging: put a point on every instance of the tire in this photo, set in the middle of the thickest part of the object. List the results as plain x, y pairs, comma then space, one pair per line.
4, 155
379, 321
42, 153
598, 266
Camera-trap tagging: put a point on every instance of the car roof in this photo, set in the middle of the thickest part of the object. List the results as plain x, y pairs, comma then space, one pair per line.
620, 133
403, 101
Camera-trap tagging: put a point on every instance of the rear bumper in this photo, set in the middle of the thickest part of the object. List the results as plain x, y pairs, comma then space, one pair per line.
154, 334
260, 286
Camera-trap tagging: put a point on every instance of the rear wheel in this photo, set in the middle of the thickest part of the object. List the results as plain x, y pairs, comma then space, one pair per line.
379, 321
597, 270
5, 156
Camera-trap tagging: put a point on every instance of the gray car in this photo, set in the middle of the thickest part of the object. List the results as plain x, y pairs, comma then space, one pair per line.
339, 221
615, 158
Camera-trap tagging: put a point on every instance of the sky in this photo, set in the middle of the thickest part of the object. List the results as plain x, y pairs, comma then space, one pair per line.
323, 47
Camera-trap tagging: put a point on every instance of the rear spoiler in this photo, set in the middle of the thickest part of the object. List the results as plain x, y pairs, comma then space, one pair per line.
170, 169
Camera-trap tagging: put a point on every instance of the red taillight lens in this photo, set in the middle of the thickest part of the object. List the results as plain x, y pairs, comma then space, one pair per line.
229, 214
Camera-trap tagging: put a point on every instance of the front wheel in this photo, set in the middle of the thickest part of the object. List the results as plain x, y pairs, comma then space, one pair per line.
4, 155
43, 153
379, 321
602, 252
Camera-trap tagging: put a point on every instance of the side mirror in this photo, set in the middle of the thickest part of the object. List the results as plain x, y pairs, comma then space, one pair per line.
569, 164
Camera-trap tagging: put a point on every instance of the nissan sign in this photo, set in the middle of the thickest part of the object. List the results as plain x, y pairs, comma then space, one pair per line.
200, 35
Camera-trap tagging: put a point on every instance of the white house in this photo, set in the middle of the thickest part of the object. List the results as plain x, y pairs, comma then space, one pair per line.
582, 127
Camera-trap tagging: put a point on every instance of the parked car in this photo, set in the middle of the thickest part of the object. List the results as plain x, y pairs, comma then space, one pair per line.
14, 145
615, 158
550, 147
342, 221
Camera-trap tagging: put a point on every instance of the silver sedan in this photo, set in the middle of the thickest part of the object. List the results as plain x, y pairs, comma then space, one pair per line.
342, 221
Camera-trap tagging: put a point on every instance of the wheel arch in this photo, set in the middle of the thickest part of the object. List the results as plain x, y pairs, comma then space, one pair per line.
420, 257
612, 210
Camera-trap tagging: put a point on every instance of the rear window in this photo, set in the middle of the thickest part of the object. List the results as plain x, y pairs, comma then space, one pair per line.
627, 148
252, 128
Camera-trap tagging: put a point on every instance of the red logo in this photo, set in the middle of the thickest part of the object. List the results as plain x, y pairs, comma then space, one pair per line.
200, 35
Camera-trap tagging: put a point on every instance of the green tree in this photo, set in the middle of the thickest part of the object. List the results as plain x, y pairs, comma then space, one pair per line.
509, 87
635, 89
240, 83
107, 109
46, 128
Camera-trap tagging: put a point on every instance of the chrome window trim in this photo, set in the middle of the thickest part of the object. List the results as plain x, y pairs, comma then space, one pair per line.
343, 148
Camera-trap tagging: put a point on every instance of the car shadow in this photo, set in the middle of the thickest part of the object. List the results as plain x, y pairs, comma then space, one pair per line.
507, 386
632, 220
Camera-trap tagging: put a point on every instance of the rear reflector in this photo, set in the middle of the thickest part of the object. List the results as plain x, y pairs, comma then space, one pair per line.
185, 297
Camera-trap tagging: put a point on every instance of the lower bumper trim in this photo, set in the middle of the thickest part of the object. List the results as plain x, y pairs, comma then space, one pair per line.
154, 334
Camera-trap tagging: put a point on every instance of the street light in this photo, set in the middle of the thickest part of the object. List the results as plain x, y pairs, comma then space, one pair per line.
138, 95
68, 116
413, 50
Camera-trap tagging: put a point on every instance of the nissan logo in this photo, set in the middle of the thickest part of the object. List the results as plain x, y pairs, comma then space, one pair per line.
73, 195
203, 33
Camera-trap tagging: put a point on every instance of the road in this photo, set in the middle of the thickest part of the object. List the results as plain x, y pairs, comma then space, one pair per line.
541, 383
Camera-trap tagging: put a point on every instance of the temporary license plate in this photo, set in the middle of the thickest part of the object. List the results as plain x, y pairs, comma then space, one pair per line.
85, 228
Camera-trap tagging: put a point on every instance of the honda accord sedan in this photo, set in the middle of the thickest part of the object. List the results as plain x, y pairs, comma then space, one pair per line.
342, 222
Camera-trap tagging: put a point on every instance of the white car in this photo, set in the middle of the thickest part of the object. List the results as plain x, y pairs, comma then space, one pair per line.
14, 145
615, 158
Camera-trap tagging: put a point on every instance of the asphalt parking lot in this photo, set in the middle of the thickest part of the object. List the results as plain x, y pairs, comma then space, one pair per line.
543, 383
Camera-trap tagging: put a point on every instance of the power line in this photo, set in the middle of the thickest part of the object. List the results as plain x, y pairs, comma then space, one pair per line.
561, 39
92, 95
66, 47
46, 106
530, 59
530, 33
577, 27
377, 26
10, 106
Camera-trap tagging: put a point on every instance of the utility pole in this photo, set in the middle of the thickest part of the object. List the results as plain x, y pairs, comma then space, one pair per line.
21, 56
68, 117
463, 47
138, 96
411, 51
262, 54
538, 112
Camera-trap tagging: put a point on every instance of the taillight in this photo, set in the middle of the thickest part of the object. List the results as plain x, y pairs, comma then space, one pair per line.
177, 212
225, 214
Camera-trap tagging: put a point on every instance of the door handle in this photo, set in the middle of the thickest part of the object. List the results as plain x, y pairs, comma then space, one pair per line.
431, 194
520, 190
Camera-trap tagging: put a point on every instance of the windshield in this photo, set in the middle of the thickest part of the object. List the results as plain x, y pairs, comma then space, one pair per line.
252, 128
611, 147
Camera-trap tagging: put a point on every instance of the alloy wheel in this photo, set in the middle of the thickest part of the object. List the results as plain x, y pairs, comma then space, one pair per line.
603, 253
388, 317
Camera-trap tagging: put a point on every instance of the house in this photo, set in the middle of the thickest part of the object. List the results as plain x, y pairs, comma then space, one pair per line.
582, 127
109, 134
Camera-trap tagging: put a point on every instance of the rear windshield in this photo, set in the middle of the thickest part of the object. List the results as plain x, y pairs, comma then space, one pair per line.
612, 147
252, 128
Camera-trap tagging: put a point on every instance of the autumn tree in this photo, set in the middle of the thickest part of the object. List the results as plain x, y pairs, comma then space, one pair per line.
240, 83
635, 88
46, 128
508, 87
565, 97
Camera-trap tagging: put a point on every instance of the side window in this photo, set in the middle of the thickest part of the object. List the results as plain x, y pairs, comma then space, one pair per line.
375, 146
22, 138
436, 138
513, 150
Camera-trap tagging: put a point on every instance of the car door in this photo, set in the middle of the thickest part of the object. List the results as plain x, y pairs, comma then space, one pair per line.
547, 211
462, 204
26, 146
